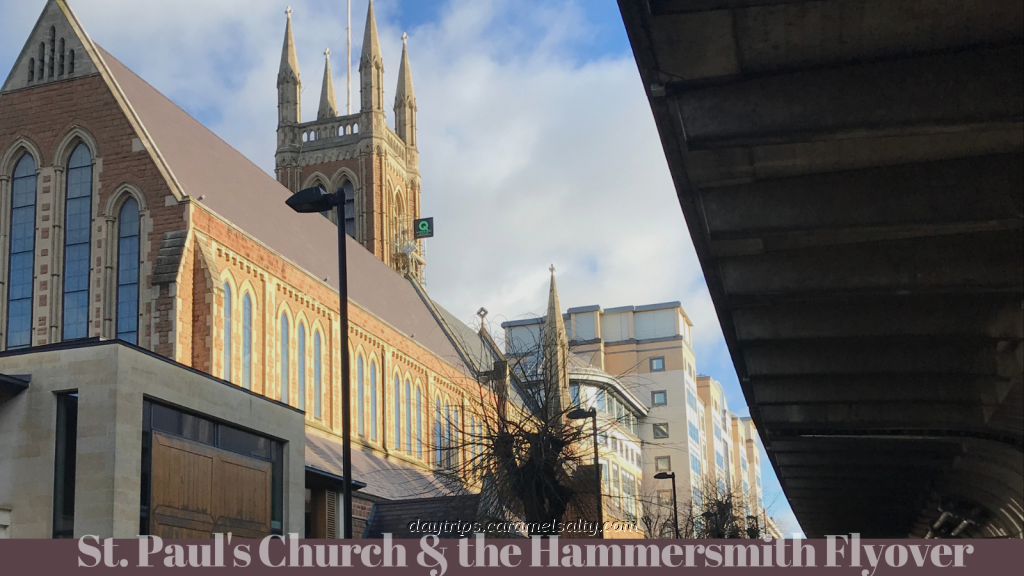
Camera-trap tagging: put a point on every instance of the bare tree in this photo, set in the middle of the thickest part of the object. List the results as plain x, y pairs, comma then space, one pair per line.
514, 440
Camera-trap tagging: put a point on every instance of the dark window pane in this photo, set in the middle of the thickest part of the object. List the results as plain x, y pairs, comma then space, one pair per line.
243, 442
166, 419
198, 429
65, 455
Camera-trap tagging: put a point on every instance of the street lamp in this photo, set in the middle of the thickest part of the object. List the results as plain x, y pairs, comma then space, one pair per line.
675, 508
319, 200
581, 414
753, 529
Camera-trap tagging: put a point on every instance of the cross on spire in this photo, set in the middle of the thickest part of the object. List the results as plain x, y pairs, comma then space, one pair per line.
552, 269
327, 52
404, 38
288, 11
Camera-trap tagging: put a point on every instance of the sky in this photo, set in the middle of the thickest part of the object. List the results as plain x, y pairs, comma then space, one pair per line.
537, 144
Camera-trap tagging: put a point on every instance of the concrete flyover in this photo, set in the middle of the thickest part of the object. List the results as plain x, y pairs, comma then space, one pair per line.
852, 176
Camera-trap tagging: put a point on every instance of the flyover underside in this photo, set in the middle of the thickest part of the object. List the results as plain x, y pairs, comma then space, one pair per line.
852, 175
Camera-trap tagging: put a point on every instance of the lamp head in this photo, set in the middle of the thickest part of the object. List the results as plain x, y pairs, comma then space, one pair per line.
579, 414
312, 200
665, 475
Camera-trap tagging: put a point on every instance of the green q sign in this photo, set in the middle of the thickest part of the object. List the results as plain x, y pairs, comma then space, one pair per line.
424, 227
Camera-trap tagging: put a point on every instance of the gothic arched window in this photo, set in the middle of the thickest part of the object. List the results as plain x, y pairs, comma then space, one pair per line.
22, 254
71, 62
227, 331
247, 342
419, 425
398, 414
127, 324
373, 400
77, 222
301, 364
438, 438
447, 434
317, 363
455, 436
60, 57
360, 397
285, 381
408, 417
471, 437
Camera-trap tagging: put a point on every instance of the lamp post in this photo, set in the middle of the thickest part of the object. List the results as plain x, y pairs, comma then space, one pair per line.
581, 414
319, 200
675, 508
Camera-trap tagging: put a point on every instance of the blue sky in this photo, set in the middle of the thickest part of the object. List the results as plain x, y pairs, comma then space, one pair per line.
537, 144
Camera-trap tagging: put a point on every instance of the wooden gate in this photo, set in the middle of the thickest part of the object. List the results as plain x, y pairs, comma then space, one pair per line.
199, 490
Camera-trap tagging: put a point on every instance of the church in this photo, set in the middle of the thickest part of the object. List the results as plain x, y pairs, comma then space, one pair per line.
169, 329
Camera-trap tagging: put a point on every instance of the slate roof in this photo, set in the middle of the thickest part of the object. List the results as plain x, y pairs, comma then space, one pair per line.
398, 518
236, 189
385, 478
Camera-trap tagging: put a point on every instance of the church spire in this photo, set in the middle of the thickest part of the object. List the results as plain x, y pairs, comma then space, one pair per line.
328, 103
371, 67
405, 99
555, 345
289, 81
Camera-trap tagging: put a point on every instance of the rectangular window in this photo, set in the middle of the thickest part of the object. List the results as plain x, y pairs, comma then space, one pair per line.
694, 432
602, 438
719, 460
691, 400
743, 463
664, 497
660, 431
600, 401
658, 364
695, 464
659, 398
64, 466
718, 431
615, 479
574, 394
663, 463
698, 500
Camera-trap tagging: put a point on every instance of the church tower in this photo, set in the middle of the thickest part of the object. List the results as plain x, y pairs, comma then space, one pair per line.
376, 166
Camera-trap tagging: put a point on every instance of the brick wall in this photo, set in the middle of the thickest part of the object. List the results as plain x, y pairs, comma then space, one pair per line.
47, 118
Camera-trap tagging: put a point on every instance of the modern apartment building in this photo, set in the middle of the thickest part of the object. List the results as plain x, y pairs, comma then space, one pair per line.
644, 355
718, 451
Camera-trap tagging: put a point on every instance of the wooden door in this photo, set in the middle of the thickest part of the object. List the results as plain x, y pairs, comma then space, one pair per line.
199, 490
